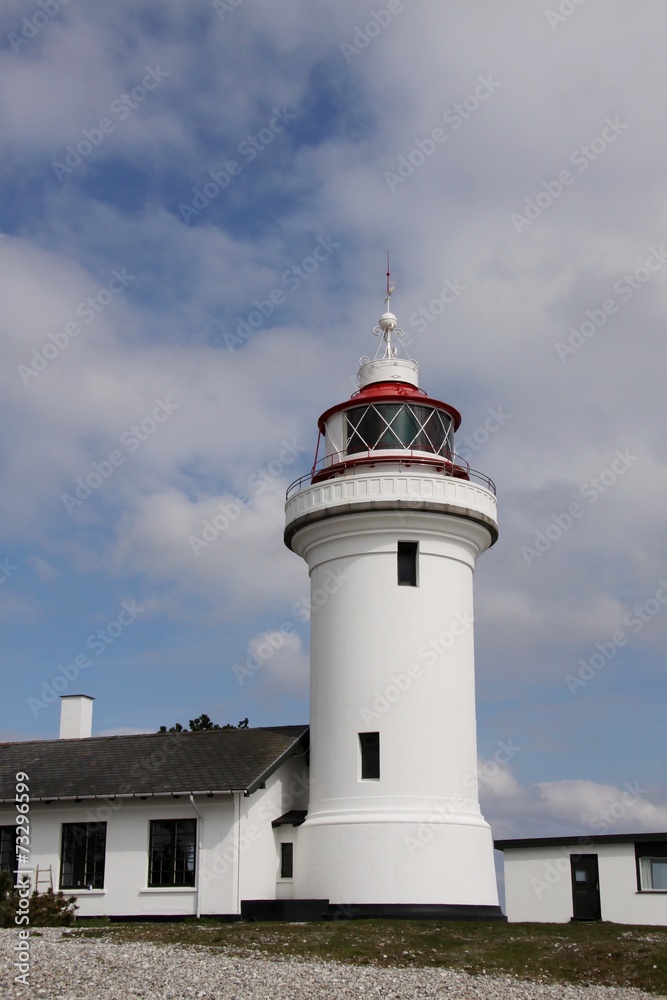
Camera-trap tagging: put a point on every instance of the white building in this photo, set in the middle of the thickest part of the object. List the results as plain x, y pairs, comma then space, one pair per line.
177, 824
617, 877
390, 522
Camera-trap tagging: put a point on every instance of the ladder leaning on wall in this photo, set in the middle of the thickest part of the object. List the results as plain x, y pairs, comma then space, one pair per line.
45, 875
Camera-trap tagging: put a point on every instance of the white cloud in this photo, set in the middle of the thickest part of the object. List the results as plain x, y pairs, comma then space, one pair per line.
279, 661
240, 565
569, 808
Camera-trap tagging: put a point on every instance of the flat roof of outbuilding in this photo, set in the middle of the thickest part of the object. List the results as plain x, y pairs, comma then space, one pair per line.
583, 840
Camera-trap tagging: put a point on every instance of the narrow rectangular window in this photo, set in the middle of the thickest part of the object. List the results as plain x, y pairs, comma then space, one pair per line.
369, 744
407, 564
8, 859
172, 852
286, 860
82, 855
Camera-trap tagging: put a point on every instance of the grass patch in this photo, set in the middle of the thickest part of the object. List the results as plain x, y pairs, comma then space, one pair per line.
603, 953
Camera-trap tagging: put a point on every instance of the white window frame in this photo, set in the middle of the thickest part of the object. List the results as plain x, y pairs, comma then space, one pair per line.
646, 877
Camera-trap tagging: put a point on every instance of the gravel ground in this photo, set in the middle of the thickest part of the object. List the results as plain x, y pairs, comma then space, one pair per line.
98, 970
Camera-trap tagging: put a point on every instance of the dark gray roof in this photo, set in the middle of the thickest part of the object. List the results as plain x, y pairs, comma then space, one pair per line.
582, 841
214, 760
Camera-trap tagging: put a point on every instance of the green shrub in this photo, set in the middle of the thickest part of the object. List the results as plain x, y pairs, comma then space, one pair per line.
46, 909
7, 910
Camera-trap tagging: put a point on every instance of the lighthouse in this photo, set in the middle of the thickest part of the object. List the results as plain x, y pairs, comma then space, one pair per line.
390, 522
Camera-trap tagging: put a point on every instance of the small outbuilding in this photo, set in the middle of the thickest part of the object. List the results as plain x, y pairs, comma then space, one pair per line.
617, 877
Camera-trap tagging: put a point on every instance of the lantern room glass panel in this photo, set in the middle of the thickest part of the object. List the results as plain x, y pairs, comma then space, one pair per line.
399, 427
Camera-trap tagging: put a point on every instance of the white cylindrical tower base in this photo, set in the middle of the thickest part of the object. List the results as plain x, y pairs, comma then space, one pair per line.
397, 660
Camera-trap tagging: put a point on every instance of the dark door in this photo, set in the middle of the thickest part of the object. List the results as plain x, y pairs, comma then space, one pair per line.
585, 887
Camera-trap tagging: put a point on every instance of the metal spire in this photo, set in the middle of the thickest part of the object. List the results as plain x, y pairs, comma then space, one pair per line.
388, 322
391, 285
389, 332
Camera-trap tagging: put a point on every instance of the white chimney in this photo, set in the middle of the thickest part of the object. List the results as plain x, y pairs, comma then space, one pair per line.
76, 716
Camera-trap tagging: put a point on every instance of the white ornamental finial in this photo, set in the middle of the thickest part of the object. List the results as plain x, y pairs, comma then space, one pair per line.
386, 366
386, 326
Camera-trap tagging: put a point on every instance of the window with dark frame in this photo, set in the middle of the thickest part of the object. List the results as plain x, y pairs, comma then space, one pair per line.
8, 860
172, 853
651, 857
287, 860
369, 744
407, 564
82, 855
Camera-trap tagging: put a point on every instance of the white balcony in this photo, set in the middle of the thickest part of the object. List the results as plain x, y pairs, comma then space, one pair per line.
392, 486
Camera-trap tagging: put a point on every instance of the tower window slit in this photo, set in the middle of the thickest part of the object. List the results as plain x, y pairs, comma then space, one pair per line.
369, 744
287, 860
407, 564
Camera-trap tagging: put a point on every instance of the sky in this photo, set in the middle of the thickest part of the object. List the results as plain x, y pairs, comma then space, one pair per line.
197, 204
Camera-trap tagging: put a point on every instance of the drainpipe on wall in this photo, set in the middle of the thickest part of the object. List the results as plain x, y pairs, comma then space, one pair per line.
237, 855
200, 844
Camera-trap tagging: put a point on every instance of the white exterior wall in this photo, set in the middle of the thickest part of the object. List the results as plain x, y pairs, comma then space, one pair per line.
416, 836
230, 866
538, 886
286, 789
126, 890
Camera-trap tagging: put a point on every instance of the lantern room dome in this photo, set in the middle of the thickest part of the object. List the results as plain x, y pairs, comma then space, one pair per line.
389, 420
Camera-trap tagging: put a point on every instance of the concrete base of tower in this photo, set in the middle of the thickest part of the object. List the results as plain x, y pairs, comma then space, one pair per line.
304, 910
400, 868
412, 911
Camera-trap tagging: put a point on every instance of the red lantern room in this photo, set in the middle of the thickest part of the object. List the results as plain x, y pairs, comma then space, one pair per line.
389, 420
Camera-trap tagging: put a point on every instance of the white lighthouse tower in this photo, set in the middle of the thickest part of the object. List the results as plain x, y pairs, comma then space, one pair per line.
390, 523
